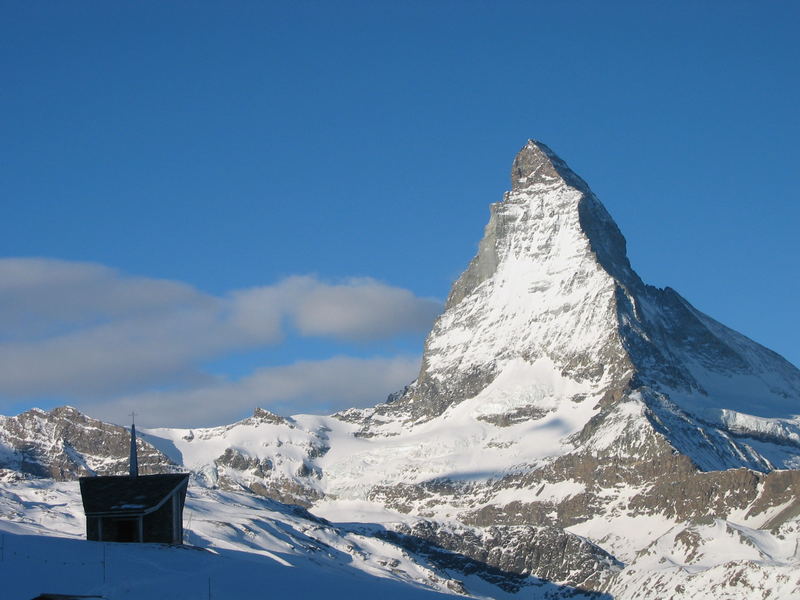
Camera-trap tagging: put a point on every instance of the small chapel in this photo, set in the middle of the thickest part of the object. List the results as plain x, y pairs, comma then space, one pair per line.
133, 507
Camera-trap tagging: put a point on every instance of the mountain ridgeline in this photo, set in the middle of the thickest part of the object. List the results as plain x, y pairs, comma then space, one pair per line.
569, 424
552, 280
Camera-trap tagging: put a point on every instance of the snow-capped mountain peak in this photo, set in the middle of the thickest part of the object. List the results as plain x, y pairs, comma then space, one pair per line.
552, 284
569, 422
543, 285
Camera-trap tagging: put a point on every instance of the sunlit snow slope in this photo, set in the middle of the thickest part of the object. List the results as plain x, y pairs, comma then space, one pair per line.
572, 430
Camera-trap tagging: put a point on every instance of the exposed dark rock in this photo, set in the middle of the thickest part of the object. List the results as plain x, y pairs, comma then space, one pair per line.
265, 416
518, 415
515, 552
65, 444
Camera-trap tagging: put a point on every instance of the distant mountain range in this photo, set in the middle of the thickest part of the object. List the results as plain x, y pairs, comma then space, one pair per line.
572, 430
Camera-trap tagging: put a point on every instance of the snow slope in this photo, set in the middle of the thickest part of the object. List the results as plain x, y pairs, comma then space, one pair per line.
238, 546
570, 423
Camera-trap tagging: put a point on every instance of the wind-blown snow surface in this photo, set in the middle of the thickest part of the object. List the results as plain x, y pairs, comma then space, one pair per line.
239, 546
569, 423
244, 546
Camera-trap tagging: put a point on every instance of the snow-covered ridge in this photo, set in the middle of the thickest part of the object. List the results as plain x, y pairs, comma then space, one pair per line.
564, 409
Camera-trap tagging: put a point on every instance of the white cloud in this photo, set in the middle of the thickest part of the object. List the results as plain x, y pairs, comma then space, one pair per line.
307, 386
362, 309
40, 296
81, 330
117, 356
356, 309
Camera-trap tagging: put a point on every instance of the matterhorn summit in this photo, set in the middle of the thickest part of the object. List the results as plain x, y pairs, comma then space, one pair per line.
552, 292
541, 291
572, 432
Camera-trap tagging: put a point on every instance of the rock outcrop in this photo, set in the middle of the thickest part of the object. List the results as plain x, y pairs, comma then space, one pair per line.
65, 444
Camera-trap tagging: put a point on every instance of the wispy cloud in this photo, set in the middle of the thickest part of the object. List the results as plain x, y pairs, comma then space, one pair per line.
41, 297
355, 309
323, 386
83, 331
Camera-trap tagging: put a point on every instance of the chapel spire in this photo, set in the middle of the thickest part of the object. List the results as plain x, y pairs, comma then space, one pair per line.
134, 462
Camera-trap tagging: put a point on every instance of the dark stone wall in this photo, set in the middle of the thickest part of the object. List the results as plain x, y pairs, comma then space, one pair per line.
92, 529
158, 525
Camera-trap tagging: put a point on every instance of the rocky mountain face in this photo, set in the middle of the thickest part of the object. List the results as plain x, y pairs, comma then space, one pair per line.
569, 423
552, 281
65, 444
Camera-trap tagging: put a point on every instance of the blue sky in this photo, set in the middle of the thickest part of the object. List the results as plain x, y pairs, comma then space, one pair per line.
170, 165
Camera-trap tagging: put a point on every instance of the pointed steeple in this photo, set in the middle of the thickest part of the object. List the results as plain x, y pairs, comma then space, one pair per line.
134, 462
